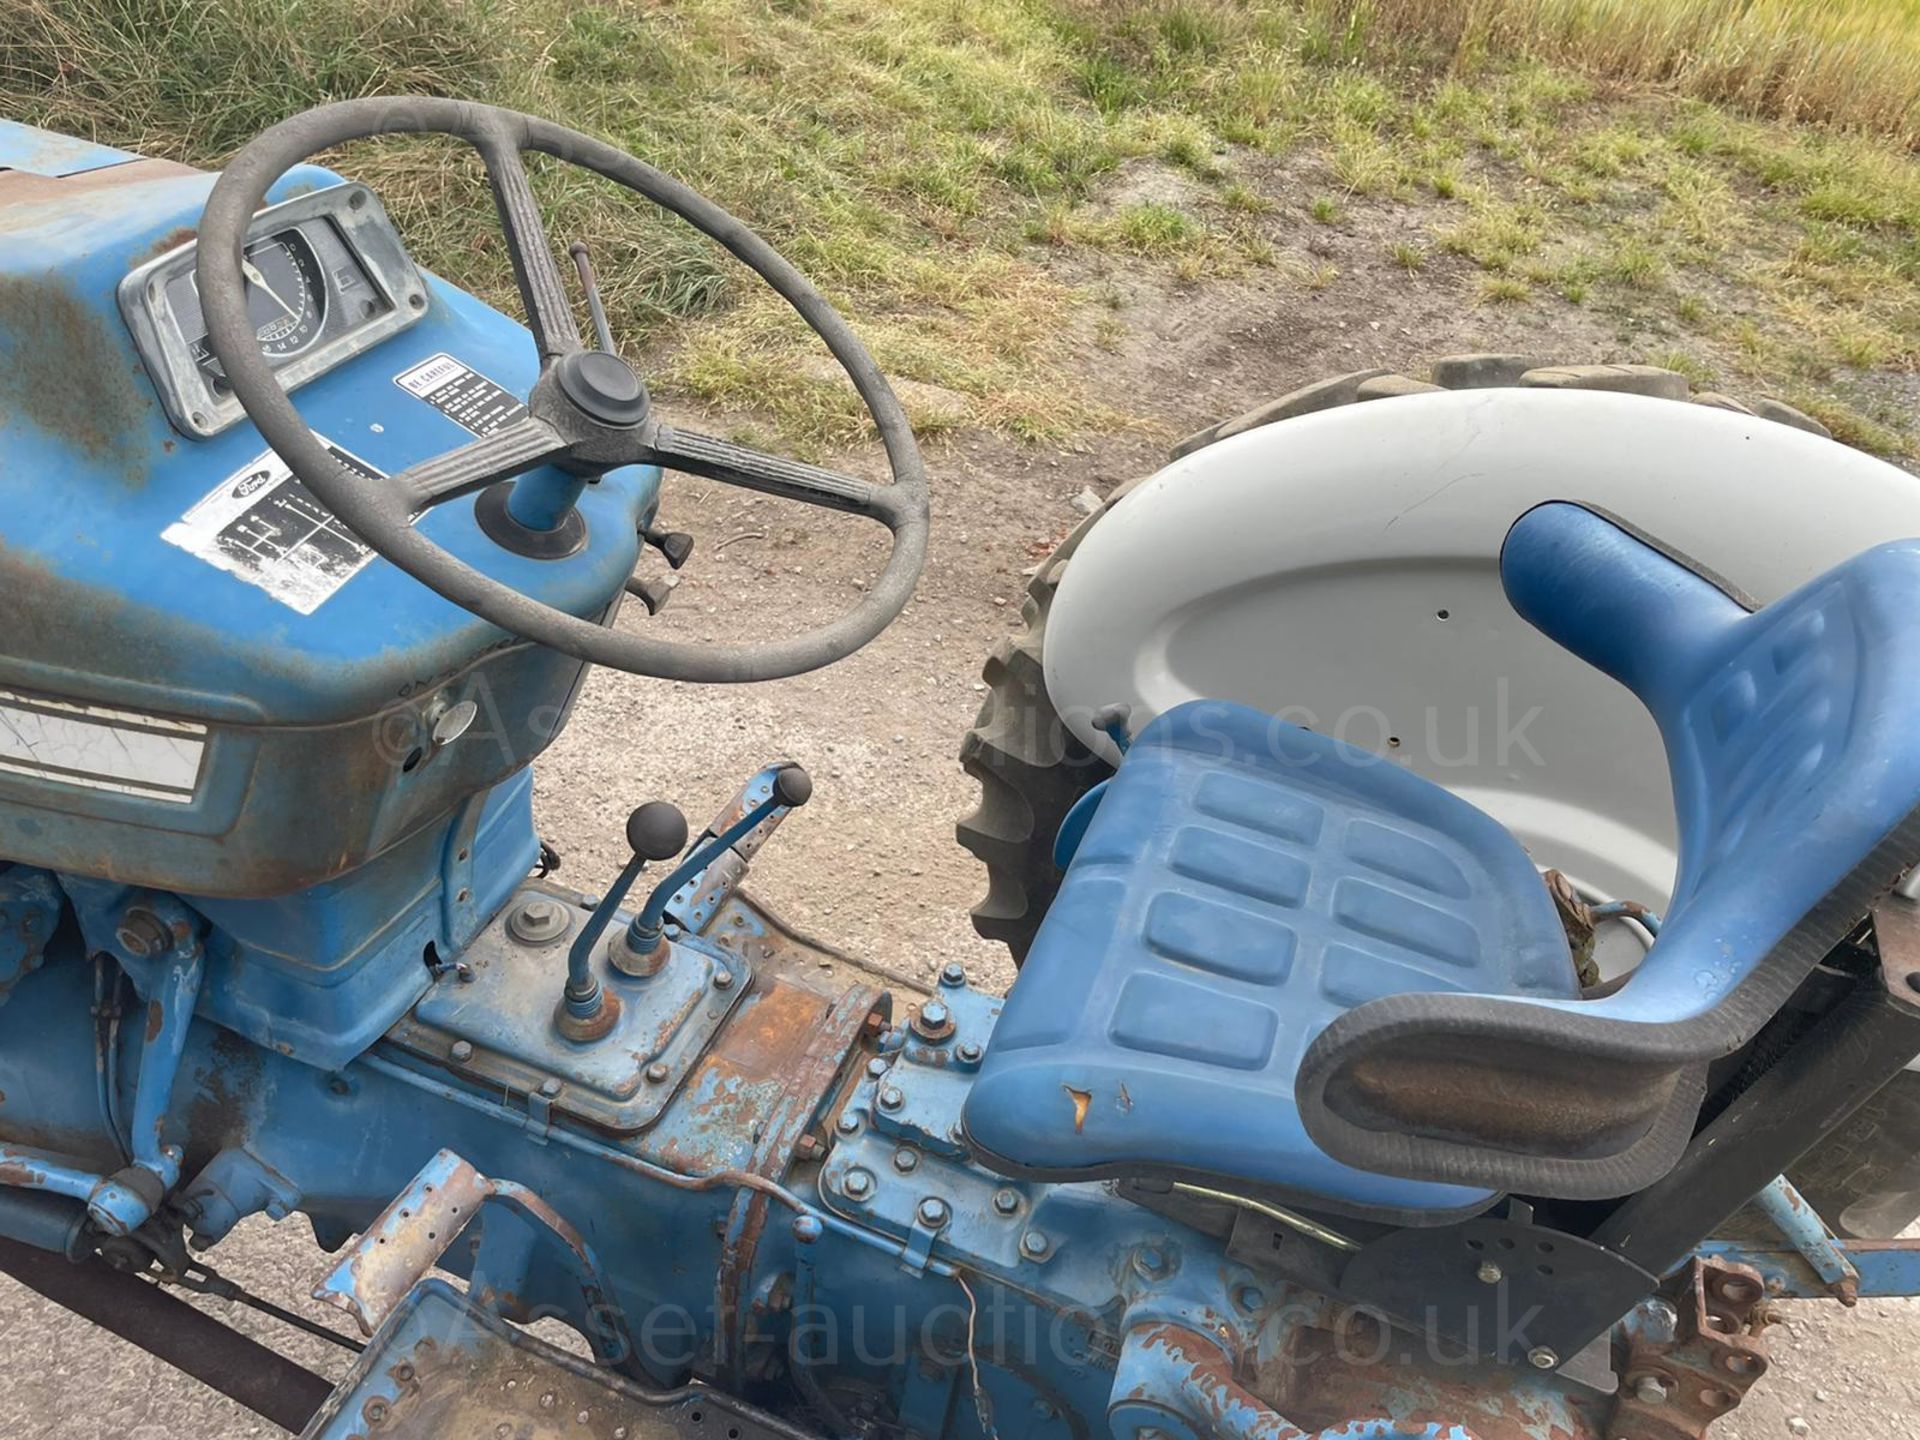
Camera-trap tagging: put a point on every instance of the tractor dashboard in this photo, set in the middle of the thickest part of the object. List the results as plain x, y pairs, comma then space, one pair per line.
328, 279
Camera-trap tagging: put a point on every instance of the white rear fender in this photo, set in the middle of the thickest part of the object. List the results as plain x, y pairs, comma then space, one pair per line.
1340, 569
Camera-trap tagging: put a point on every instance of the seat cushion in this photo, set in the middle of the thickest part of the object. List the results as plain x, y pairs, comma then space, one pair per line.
1243, 883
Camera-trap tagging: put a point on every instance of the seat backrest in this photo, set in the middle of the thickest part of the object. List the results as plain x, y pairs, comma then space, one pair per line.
1795, 765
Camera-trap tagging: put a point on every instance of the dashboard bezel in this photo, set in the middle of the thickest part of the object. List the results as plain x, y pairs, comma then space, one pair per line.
194, 407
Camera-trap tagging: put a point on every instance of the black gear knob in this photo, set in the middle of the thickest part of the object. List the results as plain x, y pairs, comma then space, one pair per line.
792, 787
657, 830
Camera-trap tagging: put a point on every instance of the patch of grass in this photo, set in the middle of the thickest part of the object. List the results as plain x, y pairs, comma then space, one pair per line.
1636, 264
1852, 61
1851, 426
1688, 364
1504, 289
926, 162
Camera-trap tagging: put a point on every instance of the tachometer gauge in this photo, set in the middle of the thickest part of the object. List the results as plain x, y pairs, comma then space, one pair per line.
286, 293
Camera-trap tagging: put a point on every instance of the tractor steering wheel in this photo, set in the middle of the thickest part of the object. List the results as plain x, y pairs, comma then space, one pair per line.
588, 411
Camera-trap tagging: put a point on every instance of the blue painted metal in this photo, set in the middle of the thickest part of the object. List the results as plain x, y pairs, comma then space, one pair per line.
30, 905
1801, 1226
749, 1179
1073, 829
1243, 882
1886, 1269
43, 152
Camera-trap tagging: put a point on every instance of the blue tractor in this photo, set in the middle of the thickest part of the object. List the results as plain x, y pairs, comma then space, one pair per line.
1303, 1118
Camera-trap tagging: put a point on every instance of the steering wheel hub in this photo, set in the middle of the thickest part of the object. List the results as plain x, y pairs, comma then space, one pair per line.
603, 387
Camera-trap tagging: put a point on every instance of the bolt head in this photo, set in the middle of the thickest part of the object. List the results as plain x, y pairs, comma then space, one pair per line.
1541, 1358
723, 979
1490, 1273
657, 1072
970, 1053
932, 1212
1007, 1202
857, 1184
934, 1013
848, 1123
1034, 1244
953, 974
538, 920
891, 1098
906, 1161
550, 1087
462, 1051
876, 1067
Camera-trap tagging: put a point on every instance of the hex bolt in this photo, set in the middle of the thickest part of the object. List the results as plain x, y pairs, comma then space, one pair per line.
1651, 1390
857, 1184
549, 1087
1007, 1202
932, 1212
1151, 1263
906, 1161
891, 1098
953, 974
1034, 1245
933, 1021
1490, 1273
848, 1123
538, 920
723, 979
808, 1147
970, 1053
462, 1051
657, 1072
876, 1067
1541, 1358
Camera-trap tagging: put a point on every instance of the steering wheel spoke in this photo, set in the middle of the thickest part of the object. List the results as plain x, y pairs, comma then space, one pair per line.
692, 453
478, 464
549, 312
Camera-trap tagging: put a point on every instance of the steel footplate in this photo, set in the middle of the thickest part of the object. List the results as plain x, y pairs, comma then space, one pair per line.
442, 1368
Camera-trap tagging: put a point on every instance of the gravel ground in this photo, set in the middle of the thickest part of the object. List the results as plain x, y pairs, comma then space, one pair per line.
872, 862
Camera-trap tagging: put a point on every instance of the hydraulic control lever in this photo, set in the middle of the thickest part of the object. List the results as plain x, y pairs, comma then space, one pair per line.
655, 831
788, 788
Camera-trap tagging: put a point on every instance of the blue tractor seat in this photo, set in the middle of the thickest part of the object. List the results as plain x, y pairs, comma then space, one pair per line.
1281, 965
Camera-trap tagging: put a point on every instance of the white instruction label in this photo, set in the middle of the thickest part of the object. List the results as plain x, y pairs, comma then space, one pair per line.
264, 526
462, 394
122, 751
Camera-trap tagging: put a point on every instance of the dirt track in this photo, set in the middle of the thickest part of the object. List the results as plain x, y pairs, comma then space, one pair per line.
872, 862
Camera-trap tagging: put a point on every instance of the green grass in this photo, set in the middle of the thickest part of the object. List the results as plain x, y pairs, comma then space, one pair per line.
931, 163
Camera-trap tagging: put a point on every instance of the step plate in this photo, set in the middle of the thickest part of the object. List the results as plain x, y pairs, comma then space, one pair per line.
443, 1369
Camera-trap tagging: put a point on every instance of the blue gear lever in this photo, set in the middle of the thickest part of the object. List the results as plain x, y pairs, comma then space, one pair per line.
655, 831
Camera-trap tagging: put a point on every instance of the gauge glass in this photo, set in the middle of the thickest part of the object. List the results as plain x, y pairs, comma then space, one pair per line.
286, 294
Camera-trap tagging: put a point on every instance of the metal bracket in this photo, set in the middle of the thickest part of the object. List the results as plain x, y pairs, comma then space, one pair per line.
1677, 1381
382, 1268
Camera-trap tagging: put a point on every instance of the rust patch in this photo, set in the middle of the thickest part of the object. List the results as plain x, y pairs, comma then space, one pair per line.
172, 240
156, 1018
13, 1172
64, 372
1082, 1102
